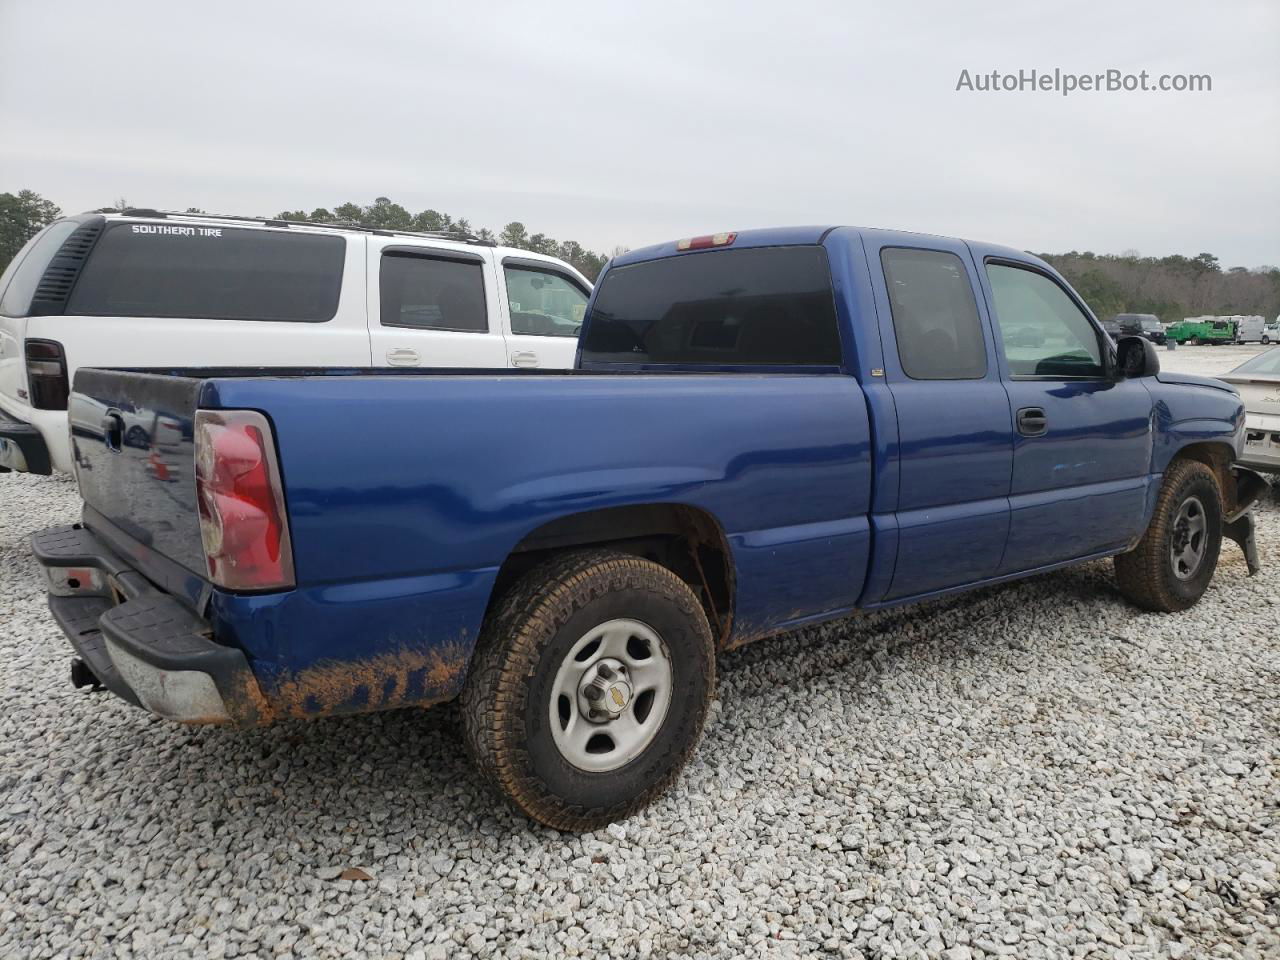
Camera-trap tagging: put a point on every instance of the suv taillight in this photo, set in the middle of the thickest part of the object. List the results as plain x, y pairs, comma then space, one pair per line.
243, 523
47, 375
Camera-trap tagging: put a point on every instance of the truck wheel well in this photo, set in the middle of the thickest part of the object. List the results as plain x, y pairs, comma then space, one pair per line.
1217, 457
686, 540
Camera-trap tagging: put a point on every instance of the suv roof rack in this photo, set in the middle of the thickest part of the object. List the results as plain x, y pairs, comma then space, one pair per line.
454, 235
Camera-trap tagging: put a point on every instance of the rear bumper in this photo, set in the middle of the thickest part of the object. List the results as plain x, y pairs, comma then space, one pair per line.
22, 447
1260, 448
142, 644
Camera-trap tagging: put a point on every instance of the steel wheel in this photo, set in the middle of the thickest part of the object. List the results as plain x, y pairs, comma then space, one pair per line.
1186, 546
610, 695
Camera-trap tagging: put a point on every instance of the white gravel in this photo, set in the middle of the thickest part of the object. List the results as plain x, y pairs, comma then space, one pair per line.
1032, 770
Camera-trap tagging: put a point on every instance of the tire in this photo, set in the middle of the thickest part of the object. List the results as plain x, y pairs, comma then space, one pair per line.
1265, 340
1195, 341
522, 720
1150, 575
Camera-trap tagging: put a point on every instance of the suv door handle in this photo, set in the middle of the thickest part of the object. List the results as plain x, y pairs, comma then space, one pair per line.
403, 357
1032, 422
524, 358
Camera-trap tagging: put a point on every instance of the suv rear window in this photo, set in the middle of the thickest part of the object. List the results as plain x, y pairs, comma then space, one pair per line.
760, 306
201, 271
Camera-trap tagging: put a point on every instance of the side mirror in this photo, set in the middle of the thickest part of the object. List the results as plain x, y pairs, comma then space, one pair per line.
1136, 357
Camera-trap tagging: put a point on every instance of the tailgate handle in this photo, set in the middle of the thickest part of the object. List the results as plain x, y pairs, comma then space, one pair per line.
113, 431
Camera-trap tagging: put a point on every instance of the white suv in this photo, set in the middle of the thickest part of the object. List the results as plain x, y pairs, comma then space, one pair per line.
150, 289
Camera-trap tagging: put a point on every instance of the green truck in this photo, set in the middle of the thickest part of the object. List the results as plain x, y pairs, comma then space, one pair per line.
1198, 330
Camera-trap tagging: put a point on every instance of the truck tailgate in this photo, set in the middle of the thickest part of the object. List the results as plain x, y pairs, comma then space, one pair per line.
132, 444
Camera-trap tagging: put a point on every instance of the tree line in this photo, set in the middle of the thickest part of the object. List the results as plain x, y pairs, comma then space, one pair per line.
386, 215
1171, 287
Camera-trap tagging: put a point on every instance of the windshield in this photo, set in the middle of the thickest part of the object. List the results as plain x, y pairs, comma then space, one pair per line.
1268, 362
1152, 324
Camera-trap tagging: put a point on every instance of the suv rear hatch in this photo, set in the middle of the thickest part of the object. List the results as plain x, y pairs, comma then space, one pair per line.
133, 450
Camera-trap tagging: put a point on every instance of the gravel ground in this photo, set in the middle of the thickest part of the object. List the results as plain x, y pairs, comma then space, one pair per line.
1032, 770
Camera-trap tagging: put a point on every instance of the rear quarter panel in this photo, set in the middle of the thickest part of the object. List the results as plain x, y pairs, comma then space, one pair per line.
13, 372
406, 494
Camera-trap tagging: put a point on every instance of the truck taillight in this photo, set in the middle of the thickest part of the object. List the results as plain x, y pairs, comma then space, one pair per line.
243, 522
47, 375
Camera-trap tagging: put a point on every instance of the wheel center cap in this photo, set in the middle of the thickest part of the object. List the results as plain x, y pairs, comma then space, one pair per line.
606, 690
618, 696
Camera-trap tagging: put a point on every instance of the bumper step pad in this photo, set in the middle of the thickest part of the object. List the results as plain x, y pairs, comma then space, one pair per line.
151, 650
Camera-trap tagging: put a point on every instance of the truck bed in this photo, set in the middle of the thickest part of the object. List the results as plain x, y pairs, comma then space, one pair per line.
406, 490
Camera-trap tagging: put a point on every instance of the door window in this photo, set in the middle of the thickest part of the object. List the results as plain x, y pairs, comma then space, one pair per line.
935, 315
1042, 331
544, 304
429, 293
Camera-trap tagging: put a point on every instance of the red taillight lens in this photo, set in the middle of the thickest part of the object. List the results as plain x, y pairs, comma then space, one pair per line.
710, 240
47, 375
243, 523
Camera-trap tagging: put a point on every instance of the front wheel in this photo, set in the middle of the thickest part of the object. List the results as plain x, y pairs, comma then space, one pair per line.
1172, 565
590, 688
1265, 340
1195, 341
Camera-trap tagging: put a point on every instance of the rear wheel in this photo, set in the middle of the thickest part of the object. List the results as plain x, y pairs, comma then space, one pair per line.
1172, 565
1265, 339
1195, 341
590, 688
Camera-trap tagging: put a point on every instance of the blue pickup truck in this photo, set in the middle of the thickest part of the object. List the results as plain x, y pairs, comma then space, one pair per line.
764, 429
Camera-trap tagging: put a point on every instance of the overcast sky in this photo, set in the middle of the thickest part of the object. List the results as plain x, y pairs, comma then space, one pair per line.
633, 123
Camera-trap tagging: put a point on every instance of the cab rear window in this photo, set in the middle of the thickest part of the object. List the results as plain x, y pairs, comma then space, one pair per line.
757, 307
201, 271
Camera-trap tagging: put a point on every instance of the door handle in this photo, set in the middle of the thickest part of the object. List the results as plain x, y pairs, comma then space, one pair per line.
403, 357
524, 358
1032, 422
